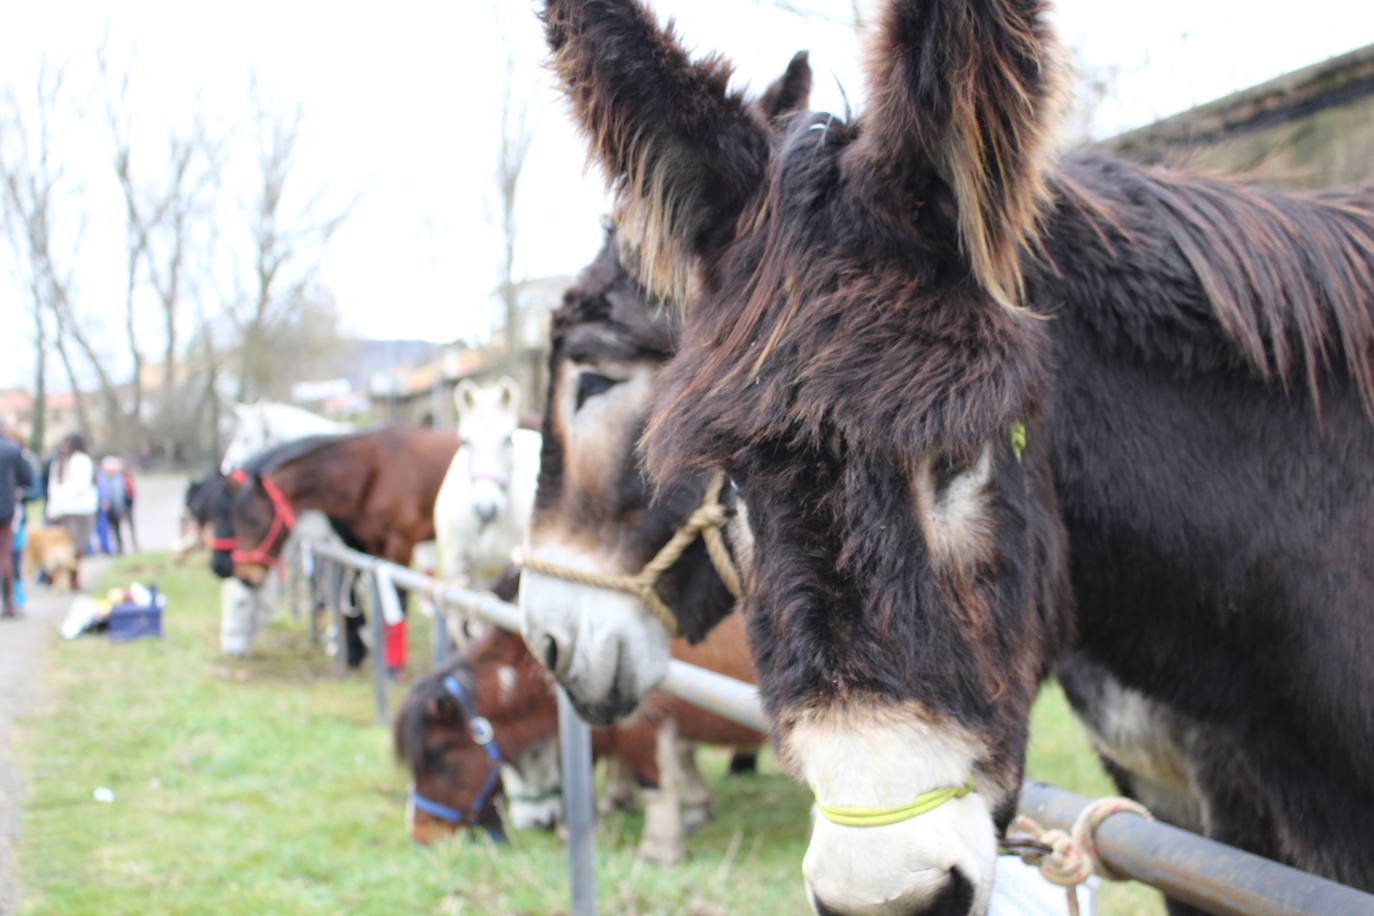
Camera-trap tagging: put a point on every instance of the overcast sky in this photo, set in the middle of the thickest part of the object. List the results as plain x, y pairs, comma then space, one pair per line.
400, 113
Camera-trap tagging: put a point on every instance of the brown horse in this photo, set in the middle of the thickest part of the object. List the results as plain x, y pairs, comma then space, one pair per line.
497, 680
377, 489
985, 406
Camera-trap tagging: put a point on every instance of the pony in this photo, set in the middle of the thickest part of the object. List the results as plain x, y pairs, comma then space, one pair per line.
488, 490
377, 490
257, 427
496, 681
990, 408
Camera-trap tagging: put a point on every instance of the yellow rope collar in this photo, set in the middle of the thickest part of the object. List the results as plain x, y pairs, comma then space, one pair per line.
878, 817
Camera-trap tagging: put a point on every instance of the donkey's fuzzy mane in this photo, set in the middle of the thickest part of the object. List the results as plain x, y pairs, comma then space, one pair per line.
1287, 279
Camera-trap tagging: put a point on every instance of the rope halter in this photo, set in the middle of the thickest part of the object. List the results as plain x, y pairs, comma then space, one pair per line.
283, 520
704, 521
485, 738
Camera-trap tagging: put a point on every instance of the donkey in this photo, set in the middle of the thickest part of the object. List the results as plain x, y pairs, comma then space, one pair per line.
605, 318
986, 406
485, 500
496, 679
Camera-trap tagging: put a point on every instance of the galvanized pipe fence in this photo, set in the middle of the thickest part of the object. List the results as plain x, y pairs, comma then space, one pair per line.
1189, 868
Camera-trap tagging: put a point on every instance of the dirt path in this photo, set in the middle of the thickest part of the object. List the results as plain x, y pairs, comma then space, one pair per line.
26, 649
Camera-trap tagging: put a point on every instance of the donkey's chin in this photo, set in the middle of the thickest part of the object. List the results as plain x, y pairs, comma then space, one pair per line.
941, 862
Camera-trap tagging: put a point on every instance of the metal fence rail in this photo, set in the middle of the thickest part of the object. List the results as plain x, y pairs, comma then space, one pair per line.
1211, 876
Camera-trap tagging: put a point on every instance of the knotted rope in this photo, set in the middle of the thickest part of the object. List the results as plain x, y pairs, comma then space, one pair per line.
704, 521
1067, 859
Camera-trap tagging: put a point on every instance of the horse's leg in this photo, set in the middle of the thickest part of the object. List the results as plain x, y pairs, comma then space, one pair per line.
698, 807
662, 840
354, 623
236, 612
743, 763
620, 788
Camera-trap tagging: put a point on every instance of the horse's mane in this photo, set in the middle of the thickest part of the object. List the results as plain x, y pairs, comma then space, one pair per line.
412, 719
1288, 277
201, 495
270, 459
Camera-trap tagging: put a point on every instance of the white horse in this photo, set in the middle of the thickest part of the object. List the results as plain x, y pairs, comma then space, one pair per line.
260, 426
488, 493
257, 427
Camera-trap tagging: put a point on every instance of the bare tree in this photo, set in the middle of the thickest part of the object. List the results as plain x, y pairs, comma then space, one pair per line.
287, 246
159, 211
516, 136
31, 177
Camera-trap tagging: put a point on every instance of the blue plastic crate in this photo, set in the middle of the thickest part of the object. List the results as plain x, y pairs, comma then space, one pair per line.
132, 621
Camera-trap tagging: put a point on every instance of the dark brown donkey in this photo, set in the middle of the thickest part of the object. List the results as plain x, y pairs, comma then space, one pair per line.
986, 406
495, 681
377, 489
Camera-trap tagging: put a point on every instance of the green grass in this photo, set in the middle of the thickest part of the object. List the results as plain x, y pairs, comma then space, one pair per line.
266, 786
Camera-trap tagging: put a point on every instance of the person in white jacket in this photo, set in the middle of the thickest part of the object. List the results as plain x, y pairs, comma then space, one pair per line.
72, 496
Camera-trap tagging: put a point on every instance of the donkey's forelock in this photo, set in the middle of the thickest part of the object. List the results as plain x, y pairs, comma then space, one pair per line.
894, 364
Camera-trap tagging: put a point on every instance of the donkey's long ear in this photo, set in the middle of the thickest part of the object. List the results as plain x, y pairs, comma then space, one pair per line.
682, 153
790, 92
971, 89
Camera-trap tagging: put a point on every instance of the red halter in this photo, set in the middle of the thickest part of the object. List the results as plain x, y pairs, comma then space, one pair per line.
283, 520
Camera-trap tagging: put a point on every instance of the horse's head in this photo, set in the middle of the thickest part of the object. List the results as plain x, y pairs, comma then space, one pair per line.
595, 512
487, 419
209, 504
854, 355
490, 715
257, 521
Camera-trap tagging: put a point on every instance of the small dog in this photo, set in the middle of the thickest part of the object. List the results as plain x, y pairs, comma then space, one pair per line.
51, 549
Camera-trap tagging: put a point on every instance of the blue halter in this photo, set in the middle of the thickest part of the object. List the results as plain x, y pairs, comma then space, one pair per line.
483, 737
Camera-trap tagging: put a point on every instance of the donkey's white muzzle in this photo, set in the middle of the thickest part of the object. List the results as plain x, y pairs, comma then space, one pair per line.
940, 862
602, 645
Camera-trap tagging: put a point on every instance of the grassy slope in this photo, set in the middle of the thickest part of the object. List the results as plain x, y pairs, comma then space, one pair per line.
265, 786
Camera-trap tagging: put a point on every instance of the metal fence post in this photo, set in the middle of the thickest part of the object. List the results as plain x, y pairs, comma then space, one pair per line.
575, 753
440, 646
335, 586
378, 623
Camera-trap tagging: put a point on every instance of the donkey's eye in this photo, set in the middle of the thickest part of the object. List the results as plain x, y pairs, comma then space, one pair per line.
590, 384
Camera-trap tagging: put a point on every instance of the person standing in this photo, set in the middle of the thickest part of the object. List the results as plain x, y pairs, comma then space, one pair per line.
113, 502
15, 475
72, 497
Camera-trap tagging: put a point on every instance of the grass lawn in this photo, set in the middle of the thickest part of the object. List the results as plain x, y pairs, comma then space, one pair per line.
266, 786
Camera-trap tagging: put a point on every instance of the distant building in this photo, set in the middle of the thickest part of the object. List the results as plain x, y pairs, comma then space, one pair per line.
17, 406
1312, 128
423, 393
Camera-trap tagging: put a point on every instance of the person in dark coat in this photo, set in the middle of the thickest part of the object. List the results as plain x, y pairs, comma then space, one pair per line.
15, 475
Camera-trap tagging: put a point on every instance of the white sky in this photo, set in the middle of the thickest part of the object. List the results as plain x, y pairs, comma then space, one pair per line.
400, 111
